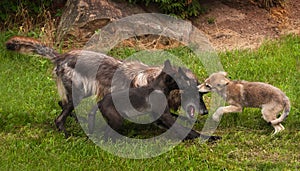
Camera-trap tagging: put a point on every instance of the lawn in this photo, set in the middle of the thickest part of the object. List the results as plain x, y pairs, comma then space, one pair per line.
29, 139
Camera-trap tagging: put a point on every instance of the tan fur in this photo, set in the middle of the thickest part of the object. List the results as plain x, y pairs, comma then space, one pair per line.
26, 40
240, 94
61, 91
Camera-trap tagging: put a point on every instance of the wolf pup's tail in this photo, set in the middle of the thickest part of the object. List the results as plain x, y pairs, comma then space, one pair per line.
27, 45
286, 111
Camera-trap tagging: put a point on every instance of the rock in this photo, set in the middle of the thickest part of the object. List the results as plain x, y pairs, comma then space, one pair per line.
81, 18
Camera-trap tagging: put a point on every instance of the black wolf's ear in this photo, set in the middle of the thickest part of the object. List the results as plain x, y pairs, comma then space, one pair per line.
167, 65
182, 73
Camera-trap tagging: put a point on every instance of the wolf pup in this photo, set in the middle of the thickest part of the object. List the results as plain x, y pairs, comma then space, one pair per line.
240, 94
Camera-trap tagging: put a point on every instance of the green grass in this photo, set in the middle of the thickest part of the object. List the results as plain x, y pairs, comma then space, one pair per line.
29, 140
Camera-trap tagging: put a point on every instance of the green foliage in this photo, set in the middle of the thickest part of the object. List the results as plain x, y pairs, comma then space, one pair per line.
29, 16
34, 7
211, 20
180, 8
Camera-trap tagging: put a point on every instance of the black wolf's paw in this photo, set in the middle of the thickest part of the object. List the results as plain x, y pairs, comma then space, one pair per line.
210, 138
214, 138
60, 126
192, 135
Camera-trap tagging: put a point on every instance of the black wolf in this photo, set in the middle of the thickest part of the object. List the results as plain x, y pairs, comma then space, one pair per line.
149, 100
81, 73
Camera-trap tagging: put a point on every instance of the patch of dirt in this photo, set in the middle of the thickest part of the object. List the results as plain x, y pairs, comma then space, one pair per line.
228, 24
241, 24
234, 24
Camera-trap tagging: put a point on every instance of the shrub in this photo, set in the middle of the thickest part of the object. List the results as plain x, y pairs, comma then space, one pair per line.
23, 14
179, 8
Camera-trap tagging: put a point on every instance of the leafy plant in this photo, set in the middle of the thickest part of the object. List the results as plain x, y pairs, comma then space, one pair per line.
211, 20
26, 15
180, 8
34, 7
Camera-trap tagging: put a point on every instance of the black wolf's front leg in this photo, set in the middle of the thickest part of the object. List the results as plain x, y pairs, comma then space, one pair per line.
168, 121
183, 118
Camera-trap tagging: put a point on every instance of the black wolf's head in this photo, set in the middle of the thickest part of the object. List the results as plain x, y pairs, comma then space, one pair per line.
172, 78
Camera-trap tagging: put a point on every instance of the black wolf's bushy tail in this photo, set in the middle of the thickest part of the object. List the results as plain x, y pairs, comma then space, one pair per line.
27, 45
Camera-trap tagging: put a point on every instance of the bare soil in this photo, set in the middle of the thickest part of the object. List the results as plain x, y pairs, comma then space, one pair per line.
234, 24
240, 24
231, 24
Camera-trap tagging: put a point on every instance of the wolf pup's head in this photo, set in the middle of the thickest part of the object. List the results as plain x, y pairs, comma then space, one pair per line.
215, 82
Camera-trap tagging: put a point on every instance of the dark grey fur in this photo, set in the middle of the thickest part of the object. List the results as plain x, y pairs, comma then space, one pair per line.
148, 100
75, 78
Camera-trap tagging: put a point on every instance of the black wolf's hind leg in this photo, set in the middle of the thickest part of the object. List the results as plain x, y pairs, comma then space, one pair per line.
61, 119
91, 119
113, 119
72, 114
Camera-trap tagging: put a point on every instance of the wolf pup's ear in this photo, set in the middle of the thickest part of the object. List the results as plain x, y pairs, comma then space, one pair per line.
223, 73
225, 82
